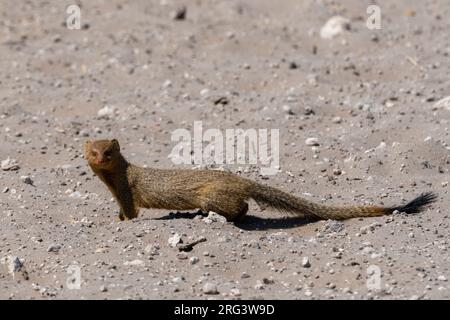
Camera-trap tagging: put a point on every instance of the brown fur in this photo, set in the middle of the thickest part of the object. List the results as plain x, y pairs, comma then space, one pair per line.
224, 193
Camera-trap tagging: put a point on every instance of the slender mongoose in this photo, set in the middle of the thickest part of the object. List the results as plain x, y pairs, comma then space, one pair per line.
225, 193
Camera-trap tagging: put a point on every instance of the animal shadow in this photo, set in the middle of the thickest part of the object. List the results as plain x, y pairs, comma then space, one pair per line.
249, 222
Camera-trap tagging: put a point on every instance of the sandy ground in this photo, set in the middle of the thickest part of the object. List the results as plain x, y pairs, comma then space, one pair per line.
368, 96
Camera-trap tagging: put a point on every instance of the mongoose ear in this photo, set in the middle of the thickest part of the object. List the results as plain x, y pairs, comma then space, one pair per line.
87, 147
115, 143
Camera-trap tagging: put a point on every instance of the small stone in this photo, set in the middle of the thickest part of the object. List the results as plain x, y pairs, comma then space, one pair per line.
152, 249
235, 292
178, 279
14, 263
84, 133
194, 260
382, 145
305, 262
210, 288
336, 120
179, 14
333, 226
214, 217
367, 250
204, 92
312, 142
293, 65
86, 222
106, 111
136, 262
287, 109
9, 164
26, 180
443, 104
182, 255
103, 289
346, 290
245, 275
442, 278
54, 248
75, 194
334, 26
207, 220
174, 240
259, 285
167, 84
309, 111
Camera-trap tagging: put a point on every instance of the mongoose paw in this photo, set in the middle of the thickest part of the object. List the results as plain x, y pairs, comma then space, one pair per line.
120, 217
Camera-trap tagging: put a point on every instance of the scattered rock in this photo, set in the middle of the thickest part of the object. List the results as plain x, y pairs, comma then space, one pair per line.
26, 180
179, 14
204, 92
136, 262
194, 260
259, 285
221, 100
334, 26
106, 111
369, 228
210, 288
287, 109
54, 248
336, 120
15, 265
174, 240
182, 255
10, 164
333, 226
167, 84
235, 292
305, 262
268, 281
214, 217
309, 111
312, 142
152, 250
443, 104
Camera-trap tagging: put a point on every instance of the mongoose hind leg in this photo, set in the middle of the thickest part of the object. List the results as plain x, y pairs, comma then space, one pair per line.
241, 214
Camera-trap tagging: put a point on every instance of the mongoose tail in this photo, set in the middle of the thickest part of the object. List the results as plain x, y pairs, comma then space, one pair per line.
301, 207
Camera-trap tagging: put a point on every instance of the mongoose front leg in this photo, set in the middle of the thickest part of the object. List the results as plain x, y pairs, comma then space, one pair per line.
127, 208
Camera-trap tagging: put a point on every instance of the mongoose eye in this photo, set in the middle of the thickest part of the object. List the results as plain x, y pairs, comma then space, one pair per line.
107, 154
94, 153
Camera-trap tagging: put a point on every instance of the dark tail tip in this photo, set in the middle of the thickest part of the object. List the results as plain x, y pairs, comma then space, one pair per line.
417, 204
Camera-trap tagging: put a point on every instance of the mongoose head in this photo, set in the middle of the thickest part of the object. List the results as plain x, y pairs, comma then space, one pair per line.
102, 154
